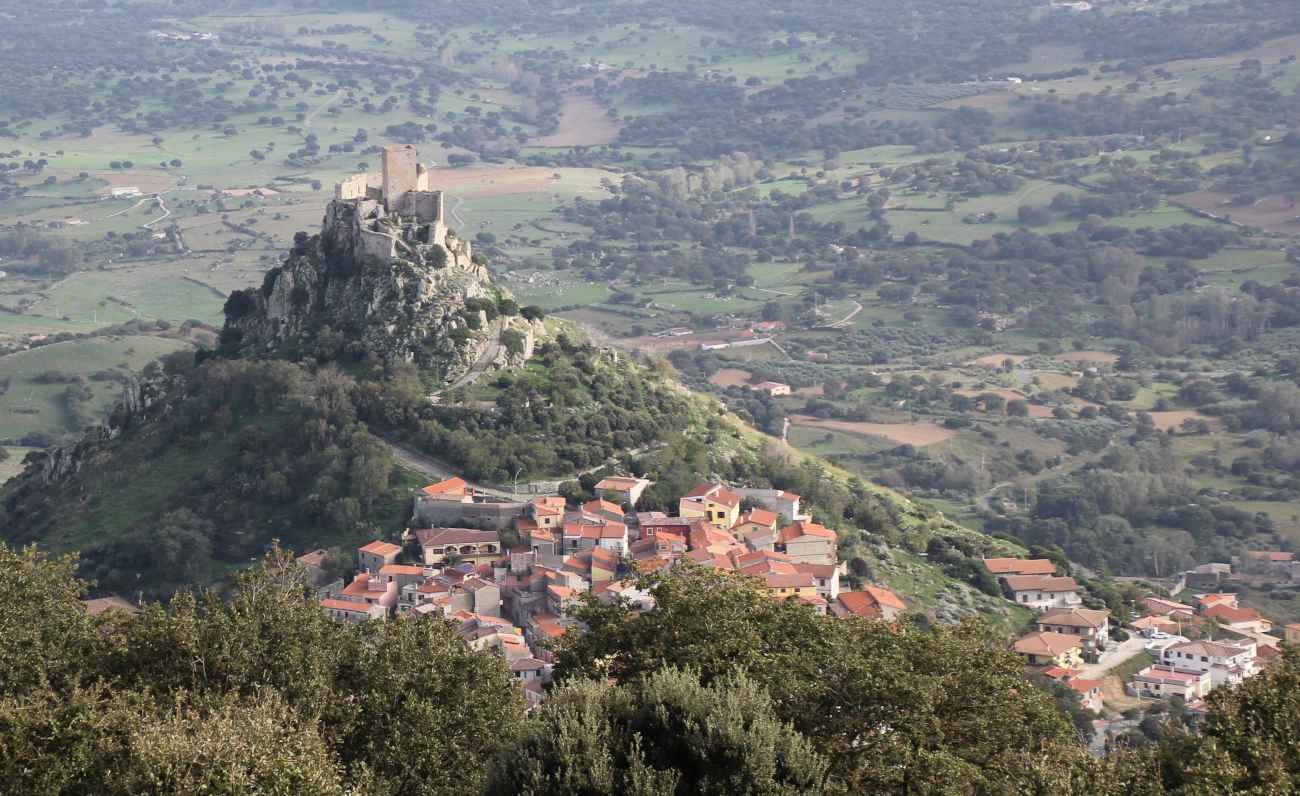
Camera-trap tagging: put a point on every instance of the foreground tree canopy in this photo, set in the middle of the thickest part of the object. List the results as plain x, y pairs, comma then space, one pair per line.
718, 690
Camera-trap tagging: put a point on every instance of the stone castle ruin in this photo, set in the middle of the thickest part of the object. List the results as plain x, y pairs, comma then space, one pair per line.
394, 214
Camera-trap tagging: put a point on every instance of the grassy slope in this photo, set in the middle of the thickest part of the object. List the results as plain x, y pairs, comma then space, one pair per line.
28, 406
141, 474
920, 583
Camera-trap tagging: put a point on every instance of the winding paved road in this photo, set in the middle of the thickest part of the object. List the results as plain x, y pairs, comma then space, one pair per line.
436, 470
484, 361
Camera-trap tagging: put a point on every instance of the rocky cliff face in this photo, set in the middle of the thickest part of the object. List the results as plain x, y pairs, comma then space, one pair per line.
426, 304
141, 398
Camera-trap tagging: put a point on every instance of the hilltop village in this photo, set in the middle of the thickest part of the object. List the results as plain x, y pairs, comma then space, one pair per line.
511, 572
517, 599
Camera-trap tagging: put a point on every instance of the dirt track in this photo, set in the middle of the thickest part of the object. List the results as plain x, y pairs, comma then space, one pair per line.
583, 122
918, 434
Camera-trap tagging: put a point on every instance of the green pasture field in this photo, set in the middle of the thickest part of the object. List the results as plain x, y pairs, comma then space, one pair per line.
610, 323
28, 406
702, 301
573, 290
948, 226
14, 464
665, 45
1288, 82
828, 442
1231, 267
754, 353
1165, 215
777, 274
150, 292
1285, 515
957, 511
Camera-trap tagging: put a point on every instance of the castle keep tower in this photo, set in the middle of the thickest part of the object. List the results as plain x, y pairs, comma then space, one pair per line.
401, 175
394, 213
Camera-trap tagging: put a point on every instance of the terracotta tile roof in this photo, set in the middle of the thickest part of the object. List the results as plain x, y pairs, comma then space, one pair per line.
708, 536
603, 530
1074, 617
99, 605
548, 625
526, 665
702, 490
817, 570
806, 528
758, 556
605, 506
1207, 600
1020, 566
1047, 643
1268, 555
1059, 672
1267, 655
474, 584
715, 492
670, 538
814, 599
790, 496
578, 562
1163, 674
657, 524
1207, 648
400, 569
758, 517
437, 536
788, 580
345, 605
885, 597
767, 565
1040, 583
859, 603
1081, 685
560, 592
652, 564
619, 483
1231, 615
381, 548
705, 558
1161, 605
313, 559
452, 486
1154, 622
360, 587
600, 555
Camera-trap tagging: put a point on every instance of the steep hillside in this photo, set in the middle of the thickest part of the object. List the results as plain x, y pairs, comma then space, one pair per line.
287, 432
427, 303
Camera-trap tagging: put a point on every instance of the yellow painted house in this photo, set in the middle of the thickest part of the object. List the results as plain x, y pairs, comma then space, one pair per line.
712, 502
784, 585
1051, 649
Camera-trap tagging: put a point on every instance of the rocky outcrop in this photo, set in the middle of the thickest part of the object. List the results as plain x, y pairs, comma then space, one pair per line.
371, 284
140, 398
